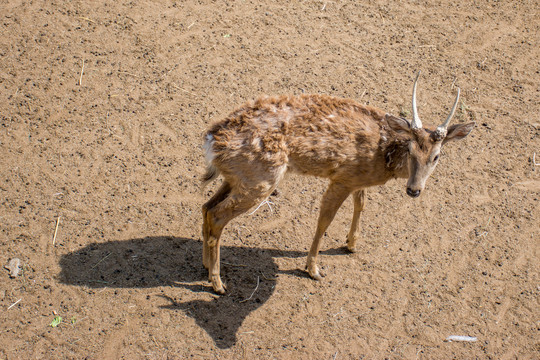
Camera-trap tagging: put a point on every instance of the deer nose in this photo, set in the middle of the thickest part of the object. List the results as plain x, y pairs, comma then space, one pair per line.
413, 193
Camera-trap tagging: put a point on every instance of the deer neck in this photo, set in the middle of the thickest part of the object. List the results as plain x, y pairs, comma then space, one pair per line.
396, 156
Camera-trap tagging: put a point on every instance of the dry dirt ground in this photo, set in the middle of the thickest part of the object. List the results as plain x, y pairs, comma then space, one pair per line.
103, 107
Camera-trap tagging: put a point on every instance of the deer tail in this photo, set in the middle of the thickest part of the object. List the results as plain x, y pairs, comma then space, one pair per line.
212, 172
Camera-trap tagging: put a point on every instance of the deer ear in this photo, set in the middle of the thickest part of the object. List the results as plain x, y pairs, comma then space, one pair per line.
398, 124
458, 131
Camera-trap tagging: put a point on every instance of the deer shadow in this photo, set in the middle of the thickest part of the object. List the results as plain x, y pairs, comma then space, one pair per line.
249, 273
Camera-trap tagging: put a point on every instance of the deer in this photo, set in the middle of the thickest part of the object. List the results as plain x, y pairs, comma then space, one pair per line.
354, 146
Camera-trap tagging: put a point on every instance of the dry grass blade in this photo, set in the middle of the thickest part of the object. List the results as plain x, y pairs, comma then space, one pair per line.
100, 261
87, 19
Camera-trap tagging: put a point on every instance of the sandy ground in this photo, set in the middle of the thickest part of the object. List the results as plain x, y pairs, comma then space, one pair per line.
103, 107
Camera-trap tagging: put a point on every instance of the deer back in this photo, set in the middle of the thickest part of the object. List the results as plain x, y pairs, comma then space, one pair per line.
312, 134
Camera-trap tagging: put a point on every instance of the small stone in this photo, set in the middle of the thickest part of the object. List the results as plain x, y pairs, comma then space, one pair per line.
14, 267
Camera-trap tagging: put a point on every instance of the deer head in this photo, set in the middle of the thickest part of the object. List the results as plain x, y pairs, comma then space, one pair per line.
424, 145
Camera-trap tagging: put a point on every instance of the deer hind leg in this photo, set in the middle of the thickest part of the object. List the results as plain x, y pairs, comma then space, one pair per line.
331, 202
359, 199
236, 202
218, 197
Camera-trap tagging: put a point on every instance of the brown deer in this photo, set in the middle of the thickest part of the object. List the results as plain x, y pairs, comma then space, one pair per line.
353, 145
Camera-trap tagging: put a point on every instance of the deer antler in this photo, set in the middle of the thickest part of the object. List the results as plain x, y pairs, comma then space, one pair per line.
416, 122
441, 129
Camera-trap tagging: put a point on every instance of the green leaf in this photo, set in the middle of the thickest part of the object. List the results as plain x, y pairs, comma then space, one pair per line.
56, 321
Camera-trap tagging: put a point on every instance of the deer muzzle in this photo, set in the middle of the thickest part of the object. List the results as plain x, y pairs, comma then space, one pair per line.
413, 193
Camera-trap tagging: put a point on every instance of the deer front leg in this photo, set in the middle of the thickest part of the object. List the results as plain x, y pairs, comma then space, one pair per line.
331, 201
359, 199
213, 268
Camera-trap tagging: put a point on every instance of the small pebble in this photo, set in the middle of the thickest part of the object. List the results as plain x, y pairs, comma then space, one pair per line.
14, 267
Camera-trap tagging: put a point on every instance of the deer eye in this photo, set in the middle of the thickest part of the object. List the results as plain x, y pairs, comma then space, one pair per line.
436, 158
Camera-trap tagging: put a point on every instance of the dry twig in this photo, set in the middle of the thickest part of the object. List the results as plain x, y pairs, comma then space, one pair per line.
256, 287
82, 72
267, 202
361, 96
15, 303
56, 230
461, 338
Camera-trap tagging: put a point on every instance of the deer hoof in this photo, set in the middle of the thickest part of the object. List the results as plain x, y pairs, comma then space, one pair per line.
315, 273
220, 291
218, 286
351, 244
317, 277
